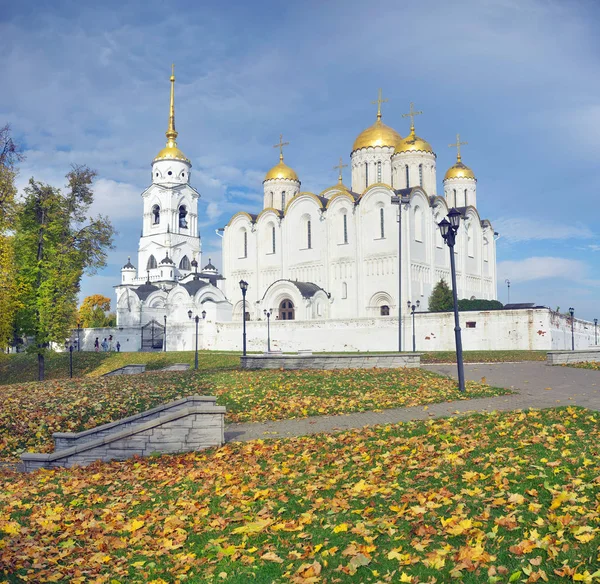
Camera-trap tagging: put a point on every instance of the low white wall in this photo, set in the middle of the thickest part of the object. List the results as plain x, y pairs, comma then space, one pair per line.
528, 329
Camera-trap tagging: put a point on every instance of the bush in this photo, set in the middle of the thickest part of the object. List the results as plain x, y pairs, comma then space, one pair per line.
466, 304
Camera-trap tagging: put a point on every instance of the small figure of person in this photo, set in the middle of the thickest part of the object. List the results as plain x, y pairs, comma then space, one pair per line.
105, 345
118, 347
110, 342
96, 345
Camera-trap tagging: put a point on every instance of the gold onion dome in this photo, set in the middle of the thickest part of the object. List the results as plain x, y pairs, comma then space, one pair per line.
377, 135
459, 170
412, 143
170, 151
281, 170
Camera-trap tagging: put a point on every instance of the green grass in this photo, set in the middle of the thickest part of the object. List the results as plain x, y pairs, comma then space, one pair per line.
593, 365
483, 356
31, 412
494, 498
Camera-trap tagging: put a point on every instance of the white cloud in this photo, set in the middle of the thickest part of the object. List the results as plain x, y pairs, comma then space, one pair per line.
518, 229
542, 268
116, 199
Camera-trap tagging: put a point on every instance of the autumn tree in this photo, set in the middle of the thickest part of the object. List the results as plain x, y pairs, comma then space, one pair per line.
57, 243
9, 293
441, 297
95, 312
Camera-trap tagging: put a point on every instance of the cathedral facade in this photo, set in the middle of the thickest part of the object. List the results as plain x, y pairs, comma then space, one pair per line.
330, 256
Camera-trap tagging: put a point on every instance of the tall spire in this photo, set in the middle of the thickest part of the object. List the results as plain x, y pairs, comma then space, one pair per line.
171, 133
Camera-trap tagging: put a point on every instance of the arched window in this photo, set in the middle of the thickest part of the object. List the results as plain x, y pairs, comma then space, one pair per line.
151, 263
379, 171
418, 220
384, 310
283, 200
420, 175
381, 222
244, 244
465, 197
308, 235
183, 224
271, 202
273, 239
184, 264
156, 214
454, 203
486, 250
366, 174
286, 310
407, 177
345, 227
344, 290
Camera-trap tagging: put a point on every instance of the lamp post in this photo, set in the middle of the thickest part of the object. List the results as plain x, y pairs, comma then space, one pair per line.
572, 312
165, 337
244, 288
71, 360
400, 200
507, 282
412, 307
268, 315
78, 337
197, 319
595, 331
448, 229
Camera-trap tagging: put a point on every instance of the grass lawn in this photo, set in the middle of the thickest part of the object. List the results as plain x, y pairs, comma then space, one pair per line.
31, 412
509, 497
22, 367
593, 365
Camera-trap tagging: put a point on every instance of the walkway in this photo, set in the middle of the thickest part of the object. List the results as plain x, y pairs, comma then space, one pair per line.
537, 385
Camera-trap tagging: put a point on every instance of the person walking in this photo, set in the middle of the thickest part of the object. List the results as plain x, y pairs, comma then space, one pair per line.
96, 345
110, 342
105, 345
118, 347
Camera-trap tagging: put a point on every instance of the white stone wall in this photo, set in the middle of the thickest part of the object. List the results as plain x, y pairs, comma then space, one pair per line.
413, 160
279, 192
371, 166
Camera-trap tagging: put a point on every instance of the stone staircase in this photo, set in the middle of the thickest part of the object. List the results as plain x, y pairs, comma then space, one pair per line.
188, 424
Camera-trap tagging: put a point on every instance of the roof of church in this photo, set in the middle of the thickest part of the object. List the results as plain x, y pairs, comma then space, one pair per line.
145, 290
209, 267
307, 289
193, 286
167, 260
129, 265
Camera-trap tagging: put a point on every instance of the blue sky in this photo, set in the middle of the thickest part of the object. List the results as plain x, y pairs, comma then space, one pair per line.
87, 83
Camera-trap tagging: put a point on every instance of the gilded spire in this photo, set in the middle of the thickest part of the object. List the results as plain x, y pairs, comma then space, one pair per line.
171, 132
379, 101
280, 146
411, 114
457, 145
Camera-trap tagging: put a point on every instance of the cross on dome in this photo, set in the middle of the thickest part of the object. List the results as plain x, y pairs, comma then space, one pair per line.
379, 101
340, 166
411, 114
457, 145
280, 146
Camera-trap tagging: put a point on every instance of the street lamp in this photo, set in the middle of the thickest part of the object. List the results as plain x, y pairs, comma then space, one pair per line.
412, 307
197, 319
400, 200
448, 229
268, 315
572, 312
165, 335
71, 360
244, 288
507, 282
78, 337
595, 331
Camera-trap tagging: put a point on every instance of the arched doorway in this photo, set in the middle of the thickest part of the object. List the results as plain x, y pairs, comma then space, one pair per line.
286, 310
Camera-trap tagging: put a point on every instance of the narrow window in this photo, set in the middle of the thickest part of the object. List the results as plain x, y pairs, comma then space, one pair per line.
407, 177
183, 224
273, 239
245, 244
418, 222
156, 214
379, 172
151, 263
283, 200
454, 203
381, 223
465, 197
485, 250
420, 175
344, 290
271, 202
366, 174
345, 228
308, 235
184, 264
384, 310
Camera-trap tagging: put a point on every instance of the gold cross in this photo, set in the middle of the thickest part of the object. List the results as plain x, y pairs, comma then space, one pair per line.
379, 102
411, 114
457, 145
340, 166
280, 146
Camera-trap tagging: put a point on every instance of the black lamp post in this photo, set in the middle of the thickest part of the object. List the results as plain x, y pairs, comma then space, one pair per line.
244, 288
572, 312
448, 230
268, 315
197, 319
507, 282
412, 307
595, 331
400, 200
71, 360
165, 338
78, 337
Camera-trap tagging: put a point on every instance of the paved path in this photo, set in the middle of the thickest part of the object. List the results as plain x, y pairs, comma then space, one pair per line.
536, 384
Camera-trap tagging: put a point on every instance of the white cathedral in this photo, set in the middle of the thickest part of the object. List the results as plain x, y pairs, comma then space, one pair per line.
305, 256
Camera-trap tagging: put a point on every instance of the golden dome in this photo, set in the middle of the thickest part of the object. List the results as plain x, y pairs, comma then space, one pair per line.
281, 170
377, 135
459, 170
412, 143
170, 151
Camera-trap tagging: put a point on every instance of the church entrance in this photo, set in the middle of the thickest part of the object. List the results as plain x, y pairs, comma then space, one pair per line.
153, 335
286, 310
